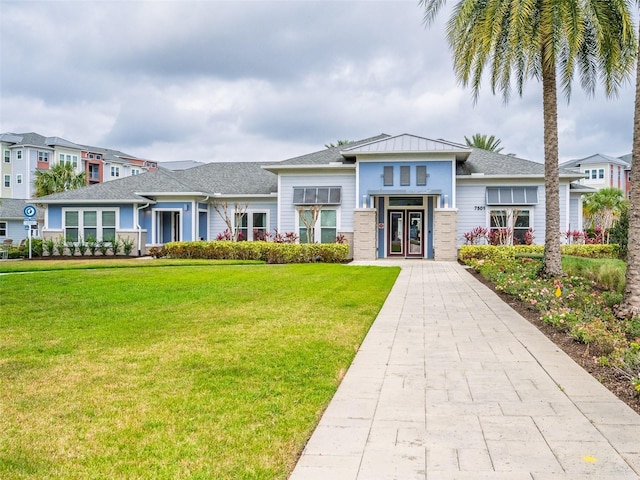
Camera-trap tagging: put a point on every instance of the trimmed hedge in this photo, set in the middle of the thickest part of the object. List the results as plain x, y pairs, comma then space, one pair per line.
479, 252
269, 252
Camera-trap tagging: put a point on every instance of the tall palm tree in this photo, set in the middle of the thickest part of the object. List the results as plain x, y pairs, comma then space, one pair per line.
489, 143
630, 304
541, 39
59, 178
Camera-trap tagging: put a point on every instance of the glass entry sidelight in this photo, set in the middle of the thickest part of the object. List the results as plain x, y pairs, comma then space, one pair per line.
404, 235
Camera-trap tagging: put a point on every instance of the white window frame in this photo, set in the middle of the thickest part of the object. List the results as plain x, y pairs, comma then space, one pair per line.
43, 156
99, 227
19, 155
509, 210
7, 158
250, 227
7, 181
115, 170
601, 174
19, 179
317, 228
135, 171
4, 227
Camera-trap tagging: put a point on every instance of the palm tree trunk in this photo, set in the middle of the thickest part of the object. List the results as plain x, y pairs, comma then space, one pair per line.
631, 301
552, 265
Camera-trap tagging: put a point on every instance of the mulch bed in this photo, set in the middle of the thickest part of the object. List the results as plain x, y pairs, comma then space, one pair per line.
607, 376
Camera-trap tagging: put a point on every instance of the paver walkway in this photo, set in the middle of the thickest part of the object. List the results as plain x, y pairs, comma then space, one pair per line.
451, 383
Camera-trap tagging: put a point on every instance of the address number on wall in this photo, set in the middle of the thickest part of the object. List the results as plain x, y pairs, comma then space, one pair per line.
479, 207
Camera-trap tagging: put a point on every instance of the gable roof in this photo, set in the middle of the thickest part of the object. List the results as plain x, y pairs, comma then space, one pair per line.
597, 158
406, 143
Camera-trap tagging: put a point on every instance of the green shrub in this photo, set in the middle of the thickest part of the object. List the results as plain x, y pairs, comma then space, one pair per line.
269, 252
49, 246
478, 252
60, 245
127, 246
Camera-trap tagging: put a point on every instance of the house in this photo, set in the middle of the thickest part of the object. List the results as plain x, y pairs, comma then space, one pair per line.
603, 171
388, 196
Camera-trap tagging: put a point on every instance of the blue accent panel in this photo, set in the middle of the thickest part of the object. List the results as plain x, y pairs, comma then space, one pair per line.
55, 216
430, 227
439, 177
381, 231
126, 217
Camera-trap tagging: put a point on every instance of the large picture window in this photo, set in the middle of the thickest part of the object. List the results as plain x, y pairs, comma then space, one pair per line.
509, 226
99, 224
324, 230
252, 225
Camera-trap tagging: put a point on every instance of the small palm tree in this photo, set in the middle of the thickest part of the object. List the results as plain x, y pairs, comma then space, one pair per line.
546, 40
490, 143
59, 178
604, 207
339, 144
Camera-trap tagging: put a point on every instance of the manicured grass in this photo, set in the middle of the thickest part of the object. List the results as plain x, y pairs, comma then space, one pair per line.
107, 262
181, 372
609, 273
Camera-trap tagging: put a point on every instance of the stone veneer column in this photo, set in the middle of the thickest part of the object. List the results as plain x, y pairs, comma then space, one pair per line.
364, 234
445, 234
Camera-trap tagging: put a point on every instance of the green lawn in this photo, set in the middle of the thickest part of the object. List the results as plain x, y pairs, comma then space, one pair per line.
180, 372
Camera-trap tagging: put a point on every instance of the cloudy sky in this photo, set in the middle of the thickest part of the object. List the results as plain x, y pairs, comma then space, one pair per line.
262, 80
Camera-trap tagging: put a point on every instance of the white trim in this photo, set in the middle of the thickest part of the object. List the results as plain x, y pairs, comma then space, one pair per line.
250, 226
154, 226
99, 227
317, 228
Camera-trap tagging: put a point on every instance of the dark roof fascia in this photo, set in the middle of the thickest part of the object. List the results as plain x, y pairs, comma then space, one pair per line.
172, 194
306, 167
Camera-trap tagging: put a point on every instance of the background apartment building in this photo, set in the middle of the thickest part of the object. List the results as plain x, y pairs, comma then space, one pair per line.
25, 153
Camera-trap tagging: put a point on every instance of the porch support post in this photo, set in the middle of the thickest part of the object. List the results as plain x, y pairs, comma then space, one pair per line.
445, 234
364, 234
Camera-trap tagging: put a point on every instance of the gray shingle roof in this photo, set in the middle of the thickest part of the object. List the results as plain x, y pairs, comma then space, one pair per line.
491, 163
127, 189
230, 178
328, 155
13, 208
226, 178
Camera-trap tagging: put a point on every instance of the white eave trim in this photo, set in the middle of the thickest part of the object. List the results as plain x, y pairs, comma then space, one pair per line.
91, 201
514, 177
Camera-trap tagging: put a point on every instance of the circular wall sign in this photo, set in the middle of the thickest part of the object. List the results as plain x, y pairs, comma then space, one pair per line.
29, 211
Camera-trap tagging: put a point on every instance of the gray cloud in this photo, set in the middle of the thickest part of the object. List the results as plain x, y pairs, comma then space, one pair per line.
239, 80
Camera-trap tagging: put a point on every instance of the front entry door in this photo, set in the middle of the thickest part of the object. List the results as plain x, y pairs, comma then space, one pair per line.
404, 236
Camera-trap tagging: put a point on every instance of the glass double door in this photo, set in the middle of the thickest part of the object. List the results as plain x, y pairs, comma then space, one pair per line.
405, 233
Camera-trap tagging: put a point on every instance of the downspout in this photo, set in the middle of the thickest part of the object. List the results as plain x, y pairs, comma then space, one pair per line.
198, 216
139, 227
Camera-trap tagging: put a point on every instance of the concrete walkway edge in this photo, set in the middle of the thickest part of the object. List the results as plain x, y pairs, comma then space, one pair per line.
452, 383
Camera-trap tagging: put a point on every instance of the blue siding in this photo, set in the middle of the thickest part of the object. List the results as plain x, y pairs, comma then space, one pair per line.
55, 216
439, 177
